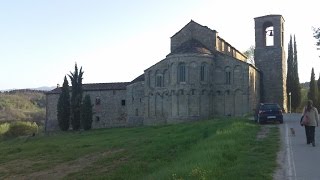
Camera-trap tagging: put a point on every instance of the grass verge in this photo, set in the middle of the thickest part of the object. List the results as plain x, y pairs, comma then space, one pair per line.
213, 149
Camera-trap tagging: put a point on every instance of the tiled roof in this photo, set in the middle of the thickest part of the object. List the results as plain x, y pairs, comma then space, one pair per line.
191, 46
96, 87
138, 79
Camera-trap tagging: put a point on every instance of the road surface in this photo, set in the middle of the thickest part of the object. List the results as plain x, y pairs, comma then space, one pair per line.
298, 160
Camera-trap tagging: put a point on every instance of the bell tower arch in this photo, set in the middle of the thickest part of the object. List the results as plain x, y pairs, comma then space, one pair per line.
269, 57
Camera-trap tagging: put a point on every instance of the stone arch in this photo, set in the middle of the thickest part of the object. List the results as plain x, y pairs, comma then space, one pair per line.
268, 36
204, 72
193, 72
237, 75
218, 75
149, 78
239, 102
194, 104
182, 72
159, 79
204, 103
227, 75
158, 104
219, 103
228, 103
166, 78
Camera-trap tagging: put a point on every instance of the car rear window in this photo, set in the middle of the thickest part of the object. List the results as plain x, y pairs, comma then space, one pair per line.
270, 106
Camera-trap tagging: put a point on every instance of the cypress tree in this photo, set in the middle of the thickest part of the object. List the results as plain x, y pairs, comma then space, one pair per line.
76, 97
63, 107
318, 86
86, 113
296, 88
313, 90
290, 69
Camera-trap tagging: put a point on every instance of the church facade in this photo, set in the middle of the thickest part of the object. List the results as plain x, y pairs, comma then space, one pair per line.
202, 77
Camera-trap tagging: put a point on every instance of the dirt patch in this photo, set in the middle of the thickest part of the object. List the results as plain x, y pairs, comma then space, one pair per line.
263, 133
60, 170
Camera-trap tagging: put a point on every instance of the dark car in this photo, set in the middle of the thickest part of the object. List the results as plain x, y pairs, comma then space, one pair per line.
269, 112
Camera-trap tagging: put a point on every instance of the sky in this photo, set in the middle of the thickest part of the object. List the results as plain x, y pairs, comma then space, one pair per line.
115, 41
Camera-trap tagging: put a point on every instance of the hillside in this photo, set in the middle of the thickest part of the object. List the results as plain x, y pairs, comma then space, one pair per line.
22, 105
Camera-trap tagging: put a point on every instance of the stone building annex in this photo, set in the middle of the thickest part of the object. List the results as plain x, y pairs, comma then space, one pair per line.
202, 77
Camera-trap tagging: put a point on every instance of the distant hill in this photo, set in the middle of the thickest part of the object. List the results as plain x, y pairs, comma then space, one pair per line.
22, 105
43, 88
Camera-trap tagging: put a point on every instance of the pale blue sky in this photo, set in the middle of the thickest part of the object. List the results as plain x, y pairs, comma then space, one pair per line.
115, 41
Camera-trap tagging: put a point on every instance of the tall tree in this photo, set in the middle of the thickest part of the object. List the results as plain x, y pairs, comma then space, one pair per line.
63, 109
316, 35
76, 97
296, 89
86, 113
313, 90
250, 54
290, 70
318, 87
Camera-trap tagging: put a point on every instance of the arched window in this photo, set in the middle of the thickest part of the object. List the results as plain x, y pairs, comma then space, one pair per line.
269, 33
182, 72
228, 75
159, 79
203, 72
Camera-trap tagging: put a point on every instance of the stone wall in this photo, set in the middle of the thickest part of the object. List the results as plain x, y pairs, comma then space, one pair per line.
194, 30
51, 123
111, 111
271, 59
135, 104
198, 98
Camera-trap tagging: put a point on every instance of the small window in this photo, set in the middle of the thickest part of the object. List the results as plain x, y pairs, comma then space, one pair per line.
159, 80
137, 112
182, 72
203, 72
192, 92
123, 102
228, 77
98, 101
97, 118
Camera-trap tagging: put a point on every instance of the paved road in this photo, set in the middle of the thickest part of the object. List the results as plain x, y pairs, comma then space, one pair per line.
298, 160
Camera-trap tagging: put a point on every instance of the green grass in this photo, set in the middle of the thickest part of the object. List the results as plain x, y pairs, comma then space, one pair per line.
213, 149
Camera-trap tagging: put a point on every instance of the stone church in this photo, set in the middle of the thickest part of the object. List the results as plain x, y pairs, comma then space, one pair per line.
202, 77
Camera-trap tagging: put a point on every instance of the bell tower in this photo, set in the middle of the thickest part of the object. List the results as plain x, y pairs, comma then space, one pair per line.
269, 58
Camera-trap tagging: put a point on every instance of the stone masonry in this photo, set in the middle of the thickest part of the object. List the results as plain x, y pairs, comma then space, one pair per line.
202, 77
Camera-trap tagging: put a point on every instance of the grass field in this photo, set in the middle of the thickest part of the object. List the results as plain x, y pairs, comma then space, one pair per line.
213, 149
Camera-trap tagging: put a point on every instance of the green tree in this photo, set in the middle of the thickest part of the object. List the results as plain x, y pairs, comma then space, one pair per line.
76, 97
316, 35
86, 113
250, 54
296, 88
290, 70
313, 89
63, 106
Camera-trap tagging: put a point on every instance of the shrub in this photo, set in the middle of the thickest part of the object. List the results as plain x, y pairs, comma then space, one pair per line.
20, 128
4, 127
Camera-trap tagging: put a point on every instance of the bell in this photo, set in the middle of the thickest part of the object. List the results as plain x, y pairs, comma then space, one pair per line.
271, 33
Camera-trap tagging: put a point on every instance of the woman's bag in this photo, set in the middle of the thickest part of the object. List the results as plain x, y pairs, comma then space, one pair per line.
305, 119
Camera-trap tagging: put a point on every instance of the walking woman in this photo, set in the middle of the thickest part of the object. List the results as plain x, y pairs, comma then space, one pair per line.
311, 119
